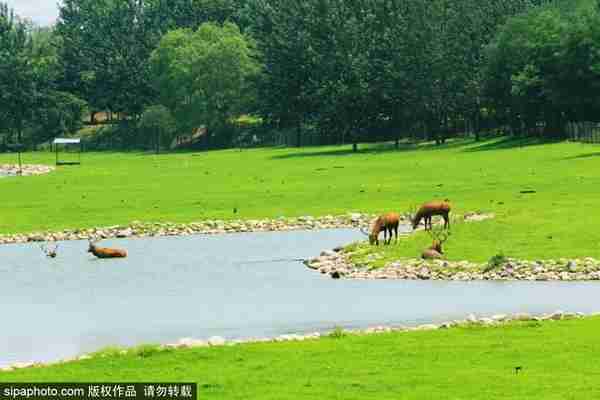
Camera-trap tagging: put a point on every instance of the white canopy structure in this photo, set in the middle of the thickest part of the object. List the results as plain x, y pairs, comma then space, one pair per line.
65, 143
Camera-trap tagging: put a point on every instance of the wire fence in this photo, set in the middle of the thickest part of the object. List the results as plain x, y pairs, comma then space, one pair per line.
586, 132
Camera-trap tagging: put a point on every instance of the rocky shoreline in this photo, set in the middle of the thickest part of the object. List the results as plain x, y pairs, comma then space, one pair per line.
497, 320
337, 264
27, 169
208, 227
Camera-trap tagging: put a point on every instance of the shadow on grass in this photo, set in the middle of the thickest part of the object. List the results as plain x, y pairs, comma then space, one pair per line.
507, 143
368, 148
582, 156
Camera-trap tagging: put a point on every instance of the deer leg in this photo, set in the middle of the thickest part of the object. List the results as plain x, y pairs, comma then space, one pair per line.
396, 230
384, 235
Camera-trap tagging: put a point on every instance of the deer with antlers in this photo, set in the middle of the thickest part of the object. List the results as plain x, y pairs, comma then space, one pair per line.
105, 252
428, 210
49, 252
435, 250
387, 223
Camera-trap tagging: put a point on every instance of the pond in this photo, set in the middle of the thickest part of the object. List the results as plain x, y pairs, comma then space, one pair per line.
235, 286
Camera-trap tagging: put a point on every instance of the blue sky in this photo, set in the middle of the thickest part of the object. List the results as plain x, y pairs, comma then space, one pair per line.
42, 12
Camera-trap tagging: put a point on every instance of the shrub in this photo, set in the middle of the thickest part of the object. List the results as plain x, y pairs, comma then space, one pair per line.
495, 262
337, 333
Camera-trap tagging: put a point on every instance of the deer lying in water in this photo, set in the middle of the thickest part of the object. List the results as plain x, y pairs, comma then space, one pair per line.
435, 250
387, 223
105, 252
428, 210
50, 252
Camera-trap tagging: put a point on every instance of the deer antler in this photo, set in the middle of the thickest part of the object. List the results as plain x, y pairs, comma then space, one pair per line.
439, 234
412, 212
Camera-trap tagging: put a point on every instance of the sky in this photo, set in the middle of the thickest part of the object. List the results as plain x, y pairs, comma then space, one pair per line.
42, 12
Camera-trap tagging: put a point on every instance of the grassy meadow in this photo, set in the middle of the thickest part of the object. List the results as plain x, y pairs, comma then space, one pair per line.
558, 220
557, 360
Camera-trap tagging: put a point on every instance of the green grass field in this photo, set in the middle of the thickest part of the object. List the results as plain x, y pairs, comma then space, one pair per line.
117, 188
558, 360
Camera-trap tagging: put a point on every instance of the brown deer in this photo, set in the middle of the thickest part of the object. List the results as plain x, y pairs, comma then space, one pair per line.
428, 210
435, 250
50, 252
105, 252
387, 223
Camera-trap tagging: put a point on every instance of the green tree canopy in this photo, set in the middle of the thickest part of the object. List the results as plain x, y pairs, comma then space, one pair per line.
545, 66
204, 77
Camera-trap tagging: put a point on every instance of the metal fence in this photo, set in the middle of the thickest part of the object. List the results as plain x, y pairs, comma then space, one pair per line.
587, 132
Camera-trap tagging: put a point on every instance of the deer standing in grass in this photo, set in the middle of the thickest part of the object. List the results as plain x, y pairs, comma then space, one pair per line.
387, 223
435, 250
105, 252
428, 210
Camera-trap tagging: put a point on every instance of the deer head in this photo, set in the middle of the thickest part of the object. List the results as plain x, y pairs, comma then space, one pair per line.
412, 215
373, 235
50, 252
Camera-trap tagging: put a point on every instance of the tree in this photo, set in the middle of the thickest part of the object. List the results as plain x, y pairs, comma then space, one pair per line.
158, 121
105, 46
17, 79
545, 66
205, 77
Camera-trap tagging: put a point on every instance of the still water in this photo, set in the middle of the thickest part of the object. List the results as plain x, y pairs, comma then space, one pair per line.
235, 286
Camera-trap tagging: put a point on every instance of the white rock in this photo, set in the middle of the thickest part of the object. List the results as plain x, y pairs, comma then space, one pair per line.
557, 315
355, 217
522, 317
328, 253
427, 327
216, 341
125, 233
19, 365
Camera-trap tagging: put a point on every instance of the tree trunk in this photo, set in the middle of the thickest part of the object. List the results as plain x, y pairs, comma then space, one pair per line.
555, 126
299, 134
20, 141
477, 126
157, 141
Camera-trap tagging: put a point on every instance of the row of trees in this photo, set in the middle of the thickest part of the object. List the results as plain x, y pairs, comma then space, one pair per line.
30, 99
344, 70
544, 66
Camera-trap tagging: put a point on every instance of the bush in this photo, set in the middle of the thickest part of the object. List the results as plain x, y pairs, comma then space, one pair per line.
496, 261
337, 333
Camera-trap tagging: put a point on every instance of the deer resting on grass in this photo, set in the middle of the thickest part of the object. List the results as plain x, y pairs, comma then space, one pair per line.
435, 250
387, 223
105, 252
428, 210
